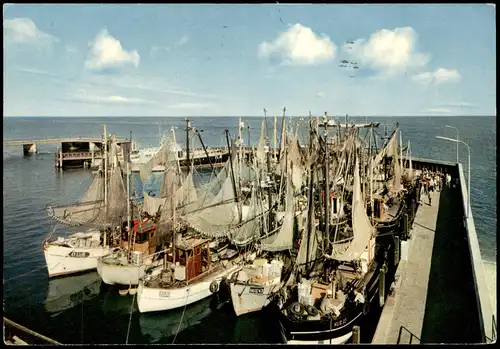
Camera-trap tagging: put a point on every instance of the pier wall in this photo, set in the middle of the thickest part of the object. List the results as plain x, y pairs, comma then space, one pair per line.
457, 298
487, 312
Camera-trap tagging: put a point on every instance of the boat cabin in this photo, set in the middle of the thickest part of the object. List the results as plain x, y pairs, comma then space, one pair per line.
194, 255
144, 236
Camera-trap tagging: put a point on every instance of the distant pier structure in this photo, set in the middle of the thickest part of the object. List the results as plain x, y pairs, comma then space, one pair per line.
73, 152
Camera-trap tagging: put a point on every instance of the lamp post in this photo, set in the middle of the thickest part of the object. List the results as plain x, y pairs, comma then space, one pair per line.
456, 129
468, 179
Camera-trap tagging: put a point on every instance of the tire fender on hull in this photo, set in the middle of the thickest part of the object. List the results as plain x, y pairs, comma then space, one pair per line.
214, 286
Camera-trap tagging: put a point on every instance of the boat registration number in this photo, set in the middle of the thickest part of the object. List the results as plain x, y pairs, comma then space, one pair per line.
340, 322
164, 294
79, 254
258, 290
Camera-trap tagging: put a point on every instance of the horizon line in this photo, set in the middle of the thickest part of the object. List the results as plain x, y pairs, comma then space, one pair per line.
248, 116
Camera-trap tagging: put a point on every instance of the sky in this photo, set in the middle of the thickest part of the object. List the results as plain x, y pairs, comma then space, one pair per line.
235, 60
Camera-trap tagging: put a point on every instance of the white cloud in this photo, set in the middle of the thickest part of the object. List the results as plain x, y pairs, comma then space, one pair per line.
390, 50
320, 95
190, 105
144, 83
439, 111
70, 49
183, 40
34, 71
459, 105
84, 97
299, 45
25, 31
439, 76
107, 52
155, 49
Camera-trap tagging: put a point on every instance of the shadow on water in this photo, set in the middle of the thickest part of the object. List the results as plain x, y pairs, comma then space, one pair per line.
451, 314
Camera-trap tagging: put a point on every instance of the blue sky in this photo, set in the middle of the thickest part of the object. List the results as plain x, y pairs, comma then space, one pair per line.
234, 60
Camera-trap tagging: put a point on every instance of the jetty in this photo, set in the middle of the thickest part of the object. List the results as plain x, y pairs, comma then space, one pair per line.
73, 151
439, 293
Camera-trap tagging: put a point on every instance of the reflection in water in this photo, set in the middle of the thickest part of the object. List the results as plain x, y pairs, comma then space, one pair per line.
67, 292
113, 304
157, 326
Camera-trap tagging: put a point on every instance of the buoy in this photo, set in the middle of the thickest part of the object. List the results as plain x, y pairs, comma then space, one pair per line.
132, 291
123, 292
214, 286
312, 311
297, 309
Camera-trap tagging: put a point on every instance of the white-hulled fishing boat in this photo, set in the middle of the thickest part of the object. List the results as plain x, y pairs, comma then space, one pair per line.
193, 272
137, 254
100, 208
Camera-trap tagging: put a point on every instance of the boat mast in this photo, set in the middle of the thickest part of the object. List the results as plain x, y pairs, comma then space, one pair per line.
310, 193
275, 140
370, 163
188, 128
401, 150
282, 130
268, 175
240, 150
327, 187
204, 148
127, 159
105, 180
233, 180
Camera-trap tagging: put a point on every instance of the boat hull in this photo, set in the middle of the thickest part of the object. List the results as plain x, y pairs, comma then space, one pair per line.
62, 260
119, 274
315, 331
151, 299
248, 298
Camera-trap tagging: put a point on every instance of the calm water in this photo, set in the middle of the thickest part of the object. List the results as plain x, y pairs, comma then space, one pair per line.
80, 310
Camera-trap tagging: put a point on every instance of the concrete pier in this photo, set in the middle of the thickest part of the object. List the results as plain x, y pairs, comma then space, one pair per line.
434, 298
406, 305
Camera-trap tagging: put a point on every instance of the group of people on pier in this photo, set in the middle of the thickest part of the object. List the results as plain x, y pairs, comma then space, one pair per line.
434, 181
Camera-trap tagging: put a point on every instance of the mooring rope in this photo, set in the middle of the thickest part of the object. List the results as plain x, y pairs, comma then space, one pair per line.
182, 317
25, 274
130, 318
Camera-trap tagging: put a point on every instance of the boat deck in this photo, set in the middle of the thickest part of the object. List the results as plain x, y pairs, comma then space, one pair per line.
433, 298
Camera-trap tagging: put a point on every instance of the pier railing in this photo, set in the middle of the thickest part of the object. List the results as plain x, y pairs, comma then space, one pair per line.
409, 332
78, 155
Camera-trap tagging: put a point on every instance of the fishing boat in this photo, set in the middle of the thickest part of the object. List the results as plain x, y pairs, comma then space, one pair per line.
390, 198
335, 280
193, 269
139, 249
98, 217
252, 287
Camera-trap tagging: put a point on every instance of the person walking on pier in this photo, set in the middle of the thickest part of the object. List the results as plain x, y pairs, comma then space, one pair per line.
430, 199
437, 180
448, 180
422, 191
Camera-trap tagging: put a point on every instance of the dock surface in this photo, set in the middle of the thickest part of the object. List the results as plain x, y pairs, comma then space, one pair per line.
433, 300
